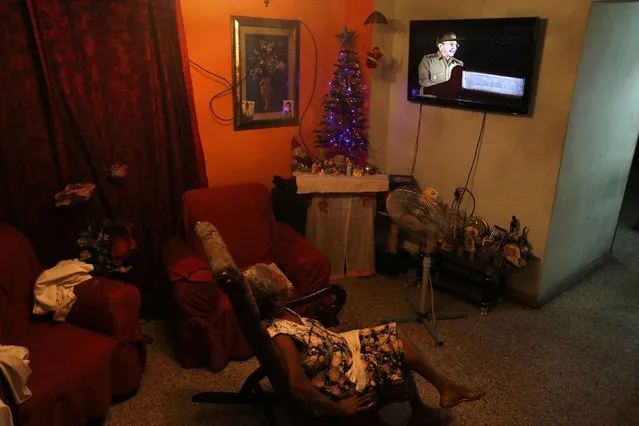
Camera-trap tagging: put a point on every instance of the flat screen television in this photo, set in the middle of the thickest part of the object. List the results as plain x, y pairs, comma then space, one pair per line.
478, 64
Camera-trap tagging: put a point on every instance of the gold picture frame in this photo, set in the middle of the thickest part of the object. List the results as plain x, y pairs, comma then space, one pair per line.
265, 72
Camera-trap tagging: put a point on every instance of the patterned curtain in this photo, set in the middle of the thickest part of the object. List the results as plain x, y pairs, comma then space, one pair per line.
86, 84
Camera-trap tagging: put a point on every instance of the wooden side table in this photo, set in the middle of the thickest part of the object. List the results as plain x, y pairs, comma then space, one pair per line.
477, 281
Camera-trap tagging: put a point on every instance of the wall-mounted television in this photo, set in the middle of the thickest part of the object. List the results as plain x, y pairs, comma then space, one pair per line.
478, 64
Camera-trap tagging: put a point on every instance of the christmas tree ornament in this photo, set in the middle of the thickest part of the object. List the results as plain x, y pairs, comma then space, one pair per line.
346, 37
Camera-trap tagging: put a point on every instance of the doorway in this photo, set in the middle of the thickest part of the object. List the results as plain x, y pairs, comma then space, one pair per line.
629, 214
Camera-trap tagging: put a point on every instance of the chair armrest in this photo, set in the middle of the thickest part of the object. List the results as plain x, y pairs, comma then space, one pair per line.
181, 263
91, 308
305, 266
110, 307
328, 317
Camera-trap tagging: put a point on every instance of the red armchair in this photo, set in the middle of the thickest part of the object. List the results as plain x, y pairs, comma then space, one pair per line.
203, 325
77, 365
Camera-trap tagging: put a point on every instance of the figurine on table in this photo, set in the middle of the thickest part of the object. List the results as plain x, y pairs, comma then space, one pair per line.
514, 225
471, 234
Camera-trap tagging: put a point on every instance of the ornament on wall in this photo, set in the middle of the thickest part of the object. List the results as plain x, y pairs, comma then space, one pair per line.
376, 18
374, 54
266, 2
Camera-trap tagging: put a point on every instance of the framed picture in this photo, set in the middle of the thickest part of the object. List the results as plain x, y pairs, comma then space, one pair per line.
265, 72
497, 235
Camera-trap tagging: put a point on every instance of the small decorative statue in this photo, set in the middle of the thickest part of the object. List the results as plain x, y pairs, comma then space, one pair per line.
471, 235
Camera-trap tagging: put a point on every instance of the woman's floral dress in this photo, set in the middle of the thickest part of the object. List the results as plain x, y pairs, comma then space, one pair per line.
326, 357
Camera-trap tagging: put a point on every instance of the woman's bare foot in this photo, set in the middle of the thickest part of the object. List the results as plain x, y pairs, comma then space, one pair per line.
428, 416
454, 394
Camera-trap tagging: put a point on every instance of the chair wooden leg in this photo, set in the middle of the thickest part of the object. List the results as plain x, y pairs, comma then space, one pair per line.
251, 393
253, 381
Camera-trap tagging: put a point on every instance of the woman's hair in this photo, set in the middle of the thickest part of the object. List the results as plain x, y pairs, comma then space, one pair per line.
266, 286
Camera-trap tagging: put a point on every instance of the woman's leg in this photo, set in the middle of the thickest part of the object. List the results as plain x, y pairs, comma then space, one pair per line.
422, 414
450, 392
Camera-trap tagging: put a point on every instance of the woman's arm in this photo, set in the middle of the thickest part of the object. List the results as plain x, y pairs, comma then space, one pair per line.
302, 388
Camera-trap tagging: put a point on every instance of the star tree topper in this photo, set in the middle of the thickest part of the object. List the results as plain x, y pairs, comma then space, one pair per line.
346, 37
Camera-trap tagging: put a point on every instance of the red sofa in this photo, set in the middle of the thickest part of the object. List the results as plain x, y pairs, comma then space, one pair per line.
203, 325
77, 365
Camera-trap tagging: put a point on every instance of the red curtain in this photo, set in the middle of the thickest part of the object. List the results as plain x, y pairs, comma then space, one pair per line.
87, 84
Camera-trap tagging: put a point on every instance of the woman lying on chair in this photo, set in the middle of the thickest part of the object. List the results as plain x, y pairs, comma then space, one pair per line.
339, 374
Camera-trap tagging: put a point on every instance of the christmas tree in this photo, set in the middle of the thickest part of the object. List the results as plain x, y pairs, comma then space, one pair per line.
343, 124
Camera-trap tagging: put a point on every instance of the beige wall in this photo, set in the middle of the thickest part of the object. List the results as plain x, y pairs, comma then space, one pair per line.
519, 163
601, 139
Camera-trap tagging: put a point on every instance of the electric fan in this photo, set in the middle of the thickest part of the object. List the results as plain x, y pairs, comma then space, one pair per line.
426, 221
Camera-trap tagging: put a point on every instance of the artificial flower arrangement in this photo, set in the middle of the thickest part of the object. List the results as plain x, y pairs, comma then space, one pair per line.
266, 61
106, 244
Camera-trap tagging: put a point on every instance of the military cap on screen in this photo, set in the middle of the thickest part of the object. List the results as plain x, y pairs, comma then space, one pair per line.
448, 37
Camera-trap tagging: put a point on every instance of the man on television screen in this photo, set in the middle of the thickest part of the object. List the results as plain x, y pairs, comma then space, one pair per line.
436, 68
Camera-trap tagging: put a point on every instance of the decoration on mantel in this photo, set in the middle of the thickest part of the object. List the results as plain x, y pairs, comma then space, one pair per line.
336, 165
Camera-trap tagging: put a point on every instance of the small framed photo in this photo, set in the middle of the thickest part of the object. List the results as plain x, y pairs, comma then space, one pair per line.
497, 235
248, 110
287, 108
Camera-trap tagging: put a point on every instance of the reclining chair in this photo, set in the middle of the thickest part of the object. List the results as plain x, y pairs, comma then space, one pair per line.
232, 282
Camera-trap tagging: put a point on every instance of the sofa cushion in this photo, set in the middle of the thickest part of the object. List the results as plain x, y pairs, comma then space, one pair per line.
70, 378
19, 270
241, 213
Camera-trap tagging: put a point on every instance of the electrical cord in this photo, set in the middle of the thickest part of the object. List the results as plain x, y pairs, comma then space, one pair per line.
419, 128
462, 191
477, 148
232, 86
229, 88
459, 195
310, 99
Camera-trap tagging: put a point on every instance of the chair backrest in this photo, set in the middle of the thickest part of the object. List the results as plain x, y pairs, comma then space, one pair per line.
19, 270
243, 215
231, 280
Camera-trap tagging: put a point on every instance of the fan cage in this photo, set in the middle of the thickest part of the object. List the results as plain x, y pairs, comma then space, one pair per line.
407, 201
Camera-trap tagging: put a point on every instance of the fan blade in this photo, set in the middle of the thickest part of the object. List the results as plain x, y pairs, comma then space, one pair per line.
412, 223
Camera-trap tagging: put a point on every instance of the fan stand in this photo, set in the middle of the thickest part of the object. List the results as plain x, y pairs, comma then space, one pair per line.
424, 315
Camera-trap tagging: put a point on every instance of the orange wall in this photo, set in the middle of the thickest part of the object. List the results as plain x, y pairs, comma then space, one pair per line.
256, 155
